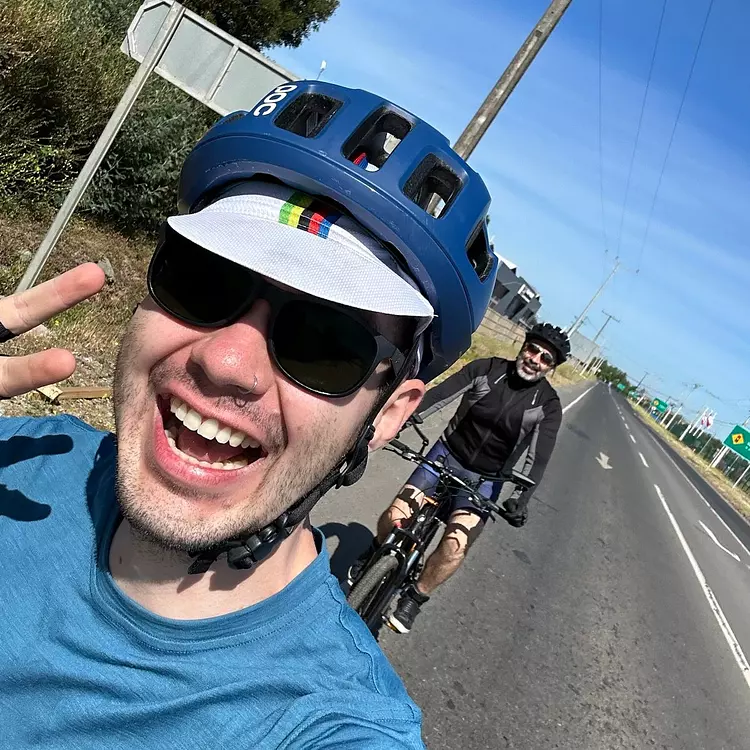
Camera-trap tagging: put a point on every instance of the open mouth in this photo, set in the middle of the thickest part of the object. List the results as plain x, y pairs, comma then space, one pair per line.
205, 441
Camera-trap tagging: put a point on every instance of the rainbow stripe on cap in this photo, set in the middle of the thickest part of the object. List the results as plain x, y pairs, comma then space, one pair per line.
304, 212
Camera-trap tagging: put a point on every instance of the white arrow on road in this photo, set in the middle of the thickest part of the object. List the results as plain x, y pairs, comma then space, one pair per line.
603, 460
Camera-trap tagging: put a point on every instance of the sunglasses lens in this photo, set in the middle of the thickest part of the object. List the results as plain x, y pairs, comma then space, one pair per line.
196, 285
322, 348
545, 357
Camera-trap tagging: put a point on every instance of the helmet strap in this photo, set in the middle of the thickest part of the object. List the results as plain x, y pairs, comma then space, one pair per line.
245, 553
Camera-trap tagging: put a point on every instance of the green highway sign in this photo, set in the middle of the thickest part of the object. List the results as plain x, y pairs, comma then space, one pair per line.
739, 441
659, 405
621, 386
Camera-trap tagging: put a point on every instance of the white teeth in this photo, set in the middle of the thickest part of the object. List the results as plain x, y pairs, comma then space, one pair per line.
208, 428
211, 429
236, 438
192, 420
239, 462
223, 435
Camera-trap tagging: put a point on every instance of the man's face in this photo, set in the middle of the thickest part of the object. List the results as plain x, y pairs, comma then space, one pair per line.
186, 491
535, 360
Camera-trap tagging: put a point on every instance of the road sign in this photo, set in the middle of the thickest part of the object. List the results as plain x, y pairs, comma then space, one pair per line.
739, 441
204, 61
621, 386
659, 405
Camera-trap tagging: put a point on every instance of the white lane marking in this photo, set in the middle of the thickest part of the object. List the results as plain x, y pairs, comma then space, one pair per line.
726, 629
631, 437
573, 403
717, 542
643, 459
698, 492
627, 426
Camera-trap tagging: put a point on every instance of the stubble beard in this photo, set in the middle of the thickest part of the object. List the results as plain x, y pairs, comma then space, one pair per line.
154, 512
535, 378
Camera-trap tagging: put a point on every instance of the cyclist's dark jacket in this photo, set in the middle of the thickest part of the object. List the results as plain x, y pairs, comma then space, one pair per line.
497, 412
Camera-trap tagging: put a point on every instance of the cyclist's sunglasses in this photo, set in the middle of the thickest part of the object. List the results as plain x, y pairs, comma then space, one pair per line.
545, 357
324, 348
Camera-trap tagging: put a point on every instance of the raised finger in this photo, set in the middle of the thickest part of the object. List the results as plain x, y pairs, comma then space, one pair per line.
22, 374
22, 312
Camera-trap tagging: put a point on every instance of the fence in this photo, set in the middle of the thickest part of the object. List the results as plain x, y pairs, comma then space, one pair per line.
496, 325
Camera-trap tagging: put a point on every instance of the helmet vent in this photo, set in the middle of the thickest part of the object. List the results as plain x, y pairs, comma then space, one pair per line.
307, 114
479, 253
433, 185
376, 138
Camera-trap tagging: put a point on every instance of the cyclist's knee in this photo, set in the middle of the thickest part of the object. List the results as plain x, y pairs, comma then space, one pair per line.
406, 503
453, 546
460, 533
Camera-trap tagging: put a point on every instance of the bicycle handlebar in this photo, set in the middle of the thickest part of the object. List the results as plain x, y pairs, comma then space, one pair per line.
444, 472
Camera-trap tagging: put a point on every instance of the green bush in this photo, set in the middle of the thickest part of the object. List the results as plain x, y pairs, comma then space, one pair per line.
61, 76
58, 84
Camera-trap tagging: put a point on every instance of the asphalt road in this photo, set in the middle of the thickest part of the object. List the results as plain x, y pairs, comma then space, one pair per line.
591, 627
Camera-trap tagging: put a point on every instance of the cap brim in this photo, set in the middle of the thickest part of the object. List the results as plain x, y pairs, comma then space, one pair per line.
319, 267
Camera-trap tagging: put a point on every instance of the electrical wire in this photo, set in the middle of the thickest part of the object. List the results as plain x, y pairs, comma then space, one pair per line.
640, 123
672, 135
601, 150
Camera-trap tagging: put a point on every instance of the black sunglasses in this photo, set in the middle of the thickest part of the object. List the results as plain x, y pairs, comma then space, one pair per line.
324, 348
545, 356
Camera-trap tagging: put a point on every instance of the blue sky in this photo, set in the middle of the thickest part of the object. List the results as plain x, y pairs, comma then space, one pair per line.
682, 316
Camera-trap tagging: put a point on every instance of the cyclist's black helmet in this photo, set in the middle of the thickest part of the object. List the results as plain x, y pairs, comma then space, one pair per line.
554, 337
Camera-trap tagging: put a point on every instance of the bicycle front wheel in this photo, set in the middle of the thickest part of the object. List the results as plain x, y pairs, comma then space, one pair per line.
371, 581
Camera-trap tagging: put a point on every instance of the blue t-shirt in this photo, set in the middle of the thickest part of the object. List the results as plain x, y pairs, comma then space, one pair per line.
83, 666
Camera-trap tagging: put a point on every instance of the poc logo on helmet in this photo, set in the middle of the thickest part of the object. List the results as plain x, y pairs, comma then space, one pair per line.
268, 105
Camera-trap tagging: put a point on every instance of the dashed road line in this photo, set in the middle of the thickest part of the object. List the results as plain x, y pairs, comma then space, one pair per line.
643, 459
631, 437
726, 628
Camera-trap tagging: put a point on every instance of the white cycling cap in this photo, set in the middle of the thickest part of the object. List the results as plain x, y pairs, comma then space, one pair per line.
301, 241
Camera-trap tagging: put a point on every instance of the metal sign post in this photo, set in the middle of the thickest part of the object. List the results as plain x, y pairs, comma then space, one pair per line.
162, 39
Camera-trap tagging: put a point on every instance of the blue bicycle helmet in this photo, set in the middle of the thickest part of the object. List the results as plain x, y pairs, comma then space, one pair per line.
391, 171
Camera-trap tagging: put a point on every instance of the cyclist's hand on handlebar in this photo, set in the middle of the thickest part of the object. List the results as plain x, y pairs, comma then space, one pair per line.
22, 312
514, 514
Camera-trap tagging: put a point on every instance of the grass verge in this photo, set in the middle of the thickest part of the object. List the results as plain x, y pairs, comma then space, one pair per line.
736, 498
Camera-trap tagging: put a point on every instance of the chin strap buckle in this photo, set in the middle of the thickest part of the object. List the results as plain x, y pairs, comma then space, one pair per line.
243, 554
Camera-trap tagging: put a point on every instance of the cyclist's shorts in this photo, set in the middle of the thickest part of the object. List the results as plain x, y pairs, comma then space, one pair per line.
425, 479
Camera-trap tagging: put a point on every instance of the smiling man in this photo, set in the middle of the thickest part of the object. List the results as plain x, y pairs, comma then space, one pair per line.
164, 588
508, 410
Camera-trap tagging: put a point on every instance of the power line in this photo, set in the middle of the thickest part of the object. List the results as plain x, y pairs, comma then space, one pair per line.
601, 150
672, 135
640, 124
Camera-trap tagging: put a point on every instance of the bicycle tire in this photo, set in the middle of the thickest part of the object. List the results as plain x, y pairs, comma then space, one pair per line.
369, 582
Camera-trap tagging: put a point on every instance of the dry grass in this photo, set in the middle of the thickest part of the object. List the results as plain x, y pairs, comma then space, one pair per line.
736, 498
92, 330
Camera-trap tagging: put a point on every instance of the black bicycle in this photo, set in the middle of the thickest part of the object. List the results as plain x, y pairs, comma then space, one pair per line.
398, 562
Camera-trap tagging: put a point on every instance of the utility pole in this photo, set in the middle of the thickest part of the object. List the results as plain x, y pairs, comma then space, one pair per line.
604, 325
486, 113
579, 319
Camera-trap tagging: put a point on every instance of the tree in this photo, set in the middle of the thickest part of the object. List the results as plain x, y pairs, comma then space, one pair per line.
259, 23
611, 374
